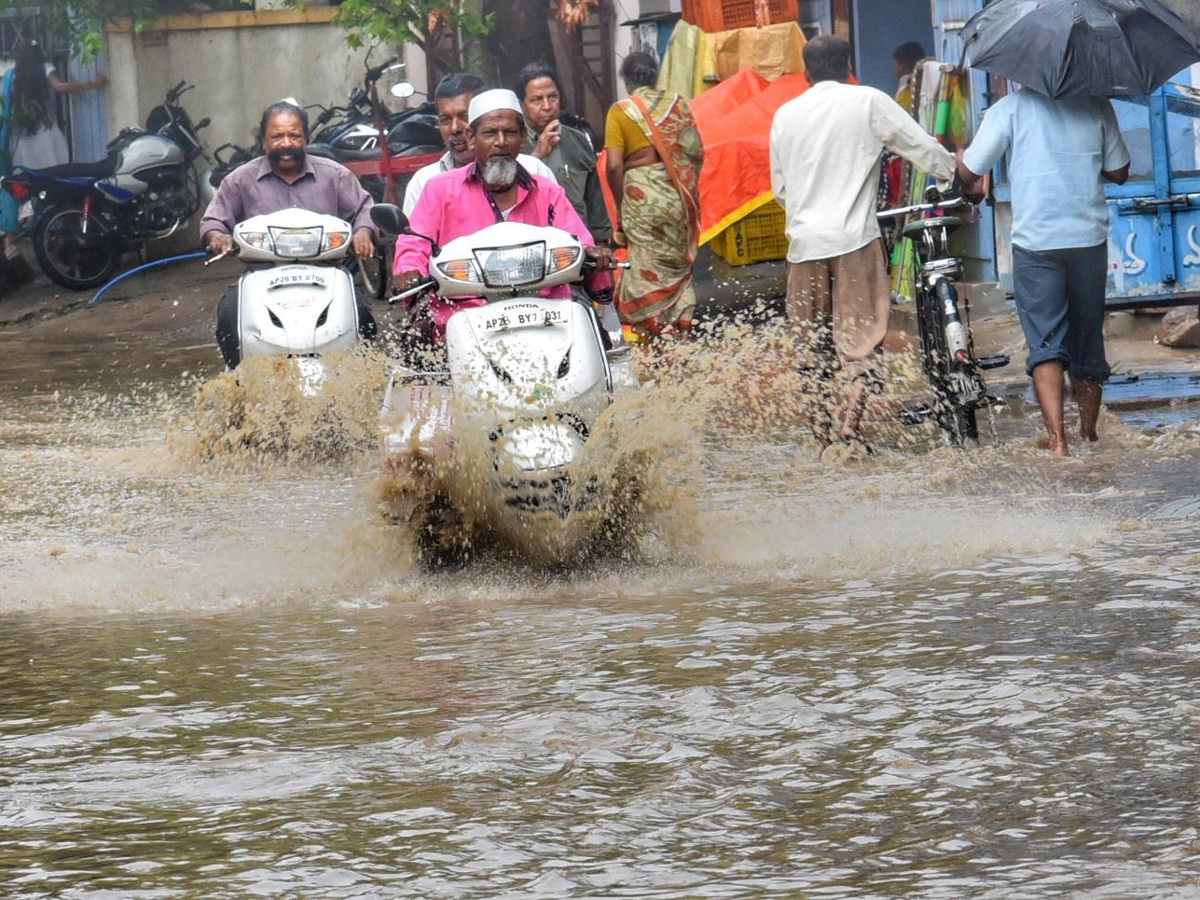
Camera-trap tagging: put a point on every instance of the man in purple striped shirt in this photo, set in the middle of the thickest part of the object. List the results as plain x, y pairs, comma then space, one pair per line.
283, 178
286, 176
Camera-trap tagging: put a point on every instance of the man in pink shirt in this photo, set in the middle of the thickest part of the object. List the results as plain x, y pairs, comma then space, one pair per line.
494, 188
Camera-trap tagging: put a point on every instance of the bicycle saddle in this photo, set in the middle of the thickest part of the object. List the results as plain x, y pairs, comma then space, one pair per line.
950, 223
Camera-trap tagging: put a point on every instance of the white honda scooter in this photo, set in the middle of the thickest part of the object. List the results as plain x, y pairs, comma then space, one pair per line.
493, 442
303, 306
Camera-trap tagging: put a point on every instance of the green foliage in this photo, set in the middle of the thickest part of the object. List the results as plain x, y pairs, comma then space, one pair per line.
426, 23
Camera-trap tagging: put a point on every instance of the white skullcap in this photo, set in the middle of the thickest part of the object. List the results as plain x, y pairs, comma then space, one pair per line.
491, 101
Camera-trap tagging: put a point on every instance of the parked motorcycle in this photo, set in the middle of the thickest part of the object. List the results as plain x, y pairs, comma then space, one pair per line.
301, 307
86, 215
353, 137
498, 434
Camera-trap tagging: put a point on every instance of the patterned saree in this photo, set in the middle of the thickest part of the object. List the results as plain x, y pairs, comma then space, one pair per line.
660, 215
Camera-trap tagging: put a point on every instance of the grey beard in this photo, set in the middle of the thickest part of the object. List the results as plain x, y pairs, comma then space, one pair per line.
500, 174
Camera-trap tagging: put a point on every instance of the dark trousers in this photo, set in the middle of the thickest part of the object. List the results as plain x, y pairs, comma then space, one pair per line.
229, 341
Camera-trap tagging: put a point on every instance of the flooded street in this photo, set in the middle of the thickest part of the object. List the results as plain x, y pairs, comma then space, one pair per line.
931, 673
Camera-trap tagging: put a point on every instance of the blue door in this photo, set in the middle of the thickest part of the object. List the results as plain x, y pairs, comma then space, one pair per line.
1154, 245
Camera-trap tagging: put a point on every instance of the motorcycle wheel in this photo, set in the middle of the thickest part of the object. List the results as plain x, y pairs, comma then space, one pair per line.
76, 260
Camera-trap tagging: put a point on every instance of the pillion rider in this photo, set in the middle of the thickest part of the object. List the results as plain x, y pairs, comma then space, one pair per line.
283, 178
494, 188
453, 97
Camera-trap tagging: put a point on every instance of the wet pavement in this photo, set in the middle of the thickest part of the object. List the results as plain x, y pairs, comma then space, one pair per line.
930, 673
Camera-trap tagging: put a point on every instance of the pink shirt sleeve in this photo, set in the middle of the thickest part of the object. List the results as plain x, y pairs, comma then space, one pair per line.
426, 218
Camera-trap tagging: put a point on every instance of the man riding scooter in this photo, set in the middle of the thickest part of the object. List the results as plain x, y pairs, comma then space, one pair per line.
494, 188
285, 176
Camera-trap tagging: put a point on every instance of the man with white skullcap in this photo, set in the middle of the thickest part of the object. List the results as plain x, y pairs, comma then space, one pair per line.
453, 97
494, 188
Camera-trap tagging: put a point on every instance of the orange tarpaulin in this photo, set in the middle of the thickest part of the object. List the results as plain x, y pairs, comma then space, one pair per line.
734, 119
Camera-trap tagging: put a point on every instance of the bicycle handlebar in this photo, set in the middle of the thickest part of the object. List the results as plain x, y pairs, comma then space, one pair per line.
948, 204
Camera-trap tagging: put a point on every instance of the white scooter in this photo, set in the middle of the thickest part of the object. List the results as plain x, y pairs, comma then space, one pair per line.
495, 441
304, 305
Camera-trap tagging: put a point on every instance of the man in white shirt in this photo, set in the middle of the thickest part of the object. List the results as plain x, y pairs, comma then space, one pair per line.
453, 98
825, 162
1060, 153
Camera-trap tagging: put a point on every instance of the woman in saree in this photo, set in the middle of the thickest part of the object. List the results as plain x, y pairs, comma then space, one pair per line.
654, 156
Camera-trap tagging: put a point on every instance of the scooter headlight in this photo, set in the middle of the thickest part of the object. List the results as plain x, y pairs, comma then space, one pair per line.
512, 266
297, 243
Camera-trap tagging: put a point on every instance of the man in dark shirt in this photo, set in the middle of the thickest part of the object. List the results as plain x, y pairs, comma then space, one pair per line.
567, 151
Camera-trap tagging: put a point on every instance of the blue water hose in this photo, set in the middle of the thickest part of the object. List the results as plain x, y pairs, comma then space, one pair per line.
200, 254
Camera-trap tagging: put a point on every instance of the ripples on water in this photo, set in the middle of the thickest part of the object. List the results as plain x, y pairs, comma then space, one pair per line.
913, 675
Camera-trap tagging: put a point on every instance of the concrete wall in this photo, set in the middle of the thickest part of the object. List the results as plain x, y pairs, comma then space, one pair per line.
238, 71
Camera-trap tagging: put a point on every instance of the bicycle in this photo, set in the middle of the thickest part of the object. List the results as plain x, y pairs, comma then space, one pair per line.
944, 324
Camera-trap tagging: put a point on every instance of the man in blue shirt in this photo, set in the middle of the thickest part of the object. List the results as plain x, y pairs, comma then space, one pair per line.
1060, 153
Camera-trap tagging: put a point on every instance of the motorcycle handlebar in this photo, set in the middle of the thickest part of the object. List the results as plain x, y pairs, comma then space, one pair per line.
374, 72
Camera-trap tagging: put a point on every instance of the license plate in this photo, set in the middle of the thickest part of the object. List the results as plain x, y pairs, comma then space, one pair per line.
525, 319
289, 280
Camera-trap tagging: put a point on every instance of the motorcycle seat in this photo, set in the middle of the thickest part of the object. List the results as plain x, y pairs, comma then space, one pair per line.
103, 168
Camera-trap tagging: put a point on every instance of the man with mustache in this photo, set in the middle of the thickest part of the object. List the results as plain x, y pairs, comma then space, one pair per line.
284, 177
494, 188
453, 97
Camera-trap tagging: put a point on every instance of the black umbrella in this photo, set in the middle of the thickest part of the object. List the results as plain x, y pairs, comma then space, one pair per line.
1081, 48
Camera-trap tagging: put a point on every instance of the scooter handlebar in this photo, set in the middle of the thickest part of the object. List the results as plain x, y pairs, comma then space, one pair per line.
590, 263
419, 288
232, 251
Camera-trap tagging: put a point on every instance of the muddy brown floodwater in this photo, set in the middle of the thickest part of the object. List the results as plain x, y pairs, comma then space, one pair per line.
931, 673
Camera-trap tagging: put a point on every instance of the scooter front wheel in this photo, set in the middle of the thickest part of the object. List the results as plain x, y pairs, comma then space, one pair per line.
76, 259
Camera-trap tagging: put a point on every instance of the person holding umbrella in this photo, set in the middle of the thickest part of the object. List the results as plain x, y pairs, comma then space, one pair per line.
1059, 154
1062, 142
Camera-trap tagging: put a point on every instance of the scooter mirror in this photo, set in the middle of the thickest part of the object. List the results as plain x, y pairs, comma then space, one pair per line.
388, 218
402, 89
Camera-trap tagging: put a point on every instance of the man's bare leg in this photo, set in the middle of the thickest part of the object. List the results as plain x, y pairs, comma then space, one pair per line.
1088, 395
856, 405
1048, 387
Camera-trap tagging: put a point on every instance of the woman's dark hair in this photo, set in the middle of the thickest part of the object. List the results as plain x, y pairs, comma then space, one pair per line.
533, 72
639, 70
33, 106
827, 58
283, 106
456, 84
908, 55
